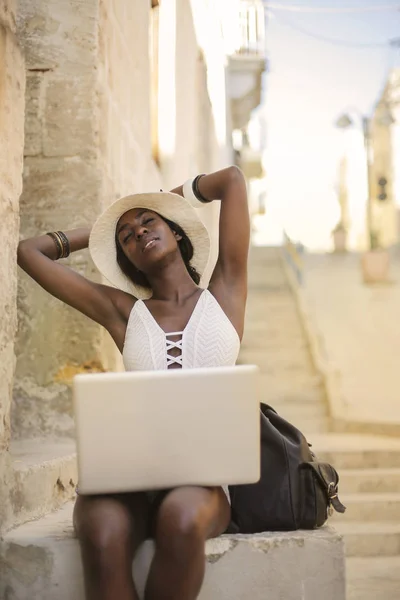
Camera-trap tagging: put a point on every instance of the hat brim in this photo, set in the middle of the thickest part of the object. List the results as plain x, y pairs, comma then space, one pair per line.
102, 245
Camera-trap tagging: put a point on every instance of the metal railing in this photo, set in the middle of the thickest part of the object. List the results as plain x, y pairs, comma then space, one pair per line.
251, 27
293, 254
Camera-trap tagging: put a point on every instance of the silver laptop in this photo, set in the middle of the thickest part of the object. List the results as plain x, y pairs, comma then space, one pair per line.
159, 429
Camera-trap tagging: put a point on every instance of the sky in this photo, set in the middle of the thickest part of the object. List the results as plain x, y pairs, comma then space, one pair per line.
311, 82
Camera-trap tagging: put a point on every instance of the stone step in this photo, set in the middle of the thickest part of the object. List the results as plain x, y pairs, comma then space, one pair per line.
265, 253
357, 451
272, 324
41, 561
293, 411
44, 478
281, 361
371, 538
310, 427
296, 396
370, 480
268, 258
274, 310
287, 367
260, 280
271, 341
277, 314
299, 398
269, 300
376, 578
270, 344
304, 382
370, 507
259, 276
270, 272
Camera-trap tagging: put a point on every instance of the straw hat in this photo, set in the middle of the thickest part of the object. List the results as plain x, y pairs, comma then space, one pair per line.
171, 206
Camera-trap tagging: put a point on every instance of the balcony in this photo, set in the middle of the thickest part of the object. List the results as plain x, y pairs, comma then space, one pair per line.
246, 61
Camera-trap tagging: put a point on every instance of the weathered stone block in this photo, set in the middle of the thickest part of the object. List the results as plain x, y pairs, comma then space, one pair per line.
88, 142
69, 116
12, 83
59, 193
41, 560
53, 339
58, 35
12, 89
43, 476
34, 100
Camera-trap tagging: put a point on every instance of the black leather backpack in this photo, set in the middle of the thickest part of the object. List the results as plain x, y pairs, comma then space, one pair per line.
295, 491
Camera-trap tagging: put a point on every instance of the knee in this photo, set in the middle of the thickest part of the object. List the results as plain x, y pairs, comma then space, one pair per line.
101, 526
180, 525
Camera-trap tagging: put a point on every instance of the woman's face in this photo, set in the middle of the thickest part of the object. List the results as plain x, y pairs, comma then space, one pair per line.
145, 238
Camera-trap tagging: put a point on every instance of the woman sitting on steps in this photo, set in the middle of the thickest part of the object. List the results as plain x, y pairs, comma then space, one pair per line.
154, 248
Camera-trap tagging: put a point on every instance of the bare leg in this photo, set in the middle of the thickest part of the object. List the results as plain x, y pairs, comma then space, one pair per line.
109, 529
186, 518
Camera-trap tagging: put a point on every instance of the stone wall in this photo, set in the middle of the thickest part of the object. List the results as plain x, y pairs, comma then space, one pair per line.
88, 142
123, 90
12, 85
62, 190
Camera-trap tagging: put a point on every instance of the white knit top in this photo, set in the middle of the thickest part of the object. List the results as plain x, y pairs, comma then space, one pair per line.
208, 340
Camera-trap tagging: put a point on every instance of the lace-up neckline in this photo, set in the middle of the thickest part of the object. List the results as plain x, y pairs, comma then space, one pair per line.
170, 344
171, 360
208, 339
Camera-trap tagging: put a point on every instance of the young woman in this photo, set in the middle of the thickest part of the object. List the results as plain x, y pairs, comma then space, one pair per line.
154, 248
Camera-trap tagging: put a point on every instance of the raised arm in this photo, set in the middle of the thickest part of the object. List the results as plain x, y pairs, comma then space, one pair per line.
37, 256
229, 186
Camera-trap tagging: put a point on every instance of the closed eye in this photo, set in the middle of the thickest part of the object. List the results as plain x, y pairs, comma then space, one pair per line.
128, 235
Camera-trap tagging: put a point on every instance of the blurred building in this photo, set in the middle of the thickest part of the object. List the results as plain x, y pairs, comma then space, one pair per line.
247, 67
369, 185
120, 98
383, 169
393, 102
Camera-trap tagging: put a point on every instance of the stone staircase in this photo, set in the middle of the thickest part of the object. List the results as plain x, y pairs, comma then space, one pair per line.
368, 465
40, 560
39, 557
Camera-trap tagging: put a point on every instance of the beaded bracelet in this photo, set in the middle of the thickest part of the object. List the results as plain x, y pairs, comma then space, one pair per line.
62, 243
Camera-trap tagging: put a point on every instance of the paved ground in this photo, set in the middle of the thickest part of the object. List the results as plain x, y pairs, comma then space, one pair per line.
361, 332
373, 578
